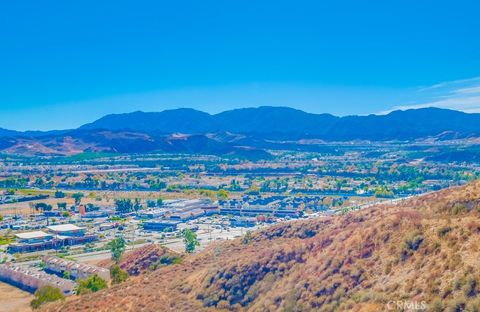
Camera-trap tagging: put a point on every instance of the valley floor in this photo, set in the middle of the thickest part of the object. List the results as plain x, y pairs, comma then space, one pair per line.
13, 299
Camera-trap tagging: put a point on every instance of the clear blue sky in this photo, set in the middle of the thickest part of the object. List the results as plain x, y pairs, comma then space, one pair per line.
64, 63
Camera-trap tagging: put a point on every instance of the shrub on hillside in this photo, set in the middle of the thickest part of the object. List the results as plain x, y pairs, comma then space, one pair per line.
91, 284
470, 287
411, 244
170, 259
459, 208
247, 238
118, 275
46, 294
444, 230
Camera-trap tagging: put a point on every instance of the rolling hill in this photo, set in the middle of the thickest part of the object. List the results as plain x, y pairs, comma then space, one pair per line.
422, 251
79, 141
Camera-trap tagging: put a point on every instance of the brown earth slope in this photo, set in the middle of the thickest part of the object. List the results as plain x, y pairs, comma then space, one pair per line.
423, 249
141, 260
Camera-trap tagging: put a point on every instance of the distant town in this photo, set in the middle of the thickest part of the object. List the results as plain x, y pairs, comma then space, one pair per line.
59, 215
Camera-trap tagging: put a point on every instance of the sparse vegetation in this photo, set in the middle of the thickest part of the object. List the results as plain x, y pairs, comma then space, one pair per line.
90, 285
247, 238
444, 230
118, 275
411, 244
78, 198
46, 294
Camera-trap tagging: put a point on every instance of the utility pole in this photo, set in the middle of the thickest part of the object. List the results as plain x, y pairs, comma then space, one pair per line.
209, 231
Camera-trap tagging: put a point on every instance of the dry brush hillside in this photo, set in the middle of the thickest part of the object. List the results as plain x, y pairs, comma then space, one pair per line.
423, 249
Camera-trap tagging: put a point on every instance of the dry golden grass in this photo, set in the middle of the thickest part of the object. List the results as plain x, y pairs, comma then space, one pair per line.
141, 260
423, 249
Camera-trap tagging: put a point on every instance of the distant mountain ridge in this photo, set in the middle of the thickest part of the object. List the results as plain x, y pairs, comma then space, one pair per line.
247, 132
289, 123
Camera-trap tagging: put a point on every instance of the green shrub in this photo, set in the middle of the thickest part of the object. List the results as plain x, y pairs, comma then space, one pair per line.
91, 284
46, 294
118, 275
459, 208
167, 260
66, 275
247, 238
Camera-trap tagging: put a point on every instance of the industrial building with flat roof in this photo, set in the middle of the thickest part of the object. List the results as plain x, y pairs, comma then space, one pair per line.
160, 225
58, 236
255, 211
33, 237
66, 230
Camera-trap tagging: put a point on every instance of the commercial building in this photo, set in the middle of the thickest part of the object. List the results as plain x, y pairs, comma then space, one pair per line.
33, 237
187, 214
57, 237
253, 212
31, 242
108, 226
151, 213
66, 230
160, 225
243, 222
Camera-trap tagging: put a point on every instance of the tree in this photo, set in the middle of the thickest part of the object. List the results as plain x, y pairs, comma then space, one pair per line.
247, 238
117, 247
91, 284
59, 194
137, 204
46, 294
123, 205
117, 274
222, 194
62, 206
78, 198
159, 202
190, 240
43, 207
66, 275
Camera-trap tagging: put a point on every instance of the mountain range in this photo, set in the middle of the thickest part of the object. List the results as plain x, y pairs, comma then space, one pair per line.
240, 131
288, 123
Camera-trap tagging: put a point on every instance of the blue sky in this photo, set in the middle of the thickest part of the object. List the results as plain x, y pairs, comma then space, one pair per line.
65, 63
